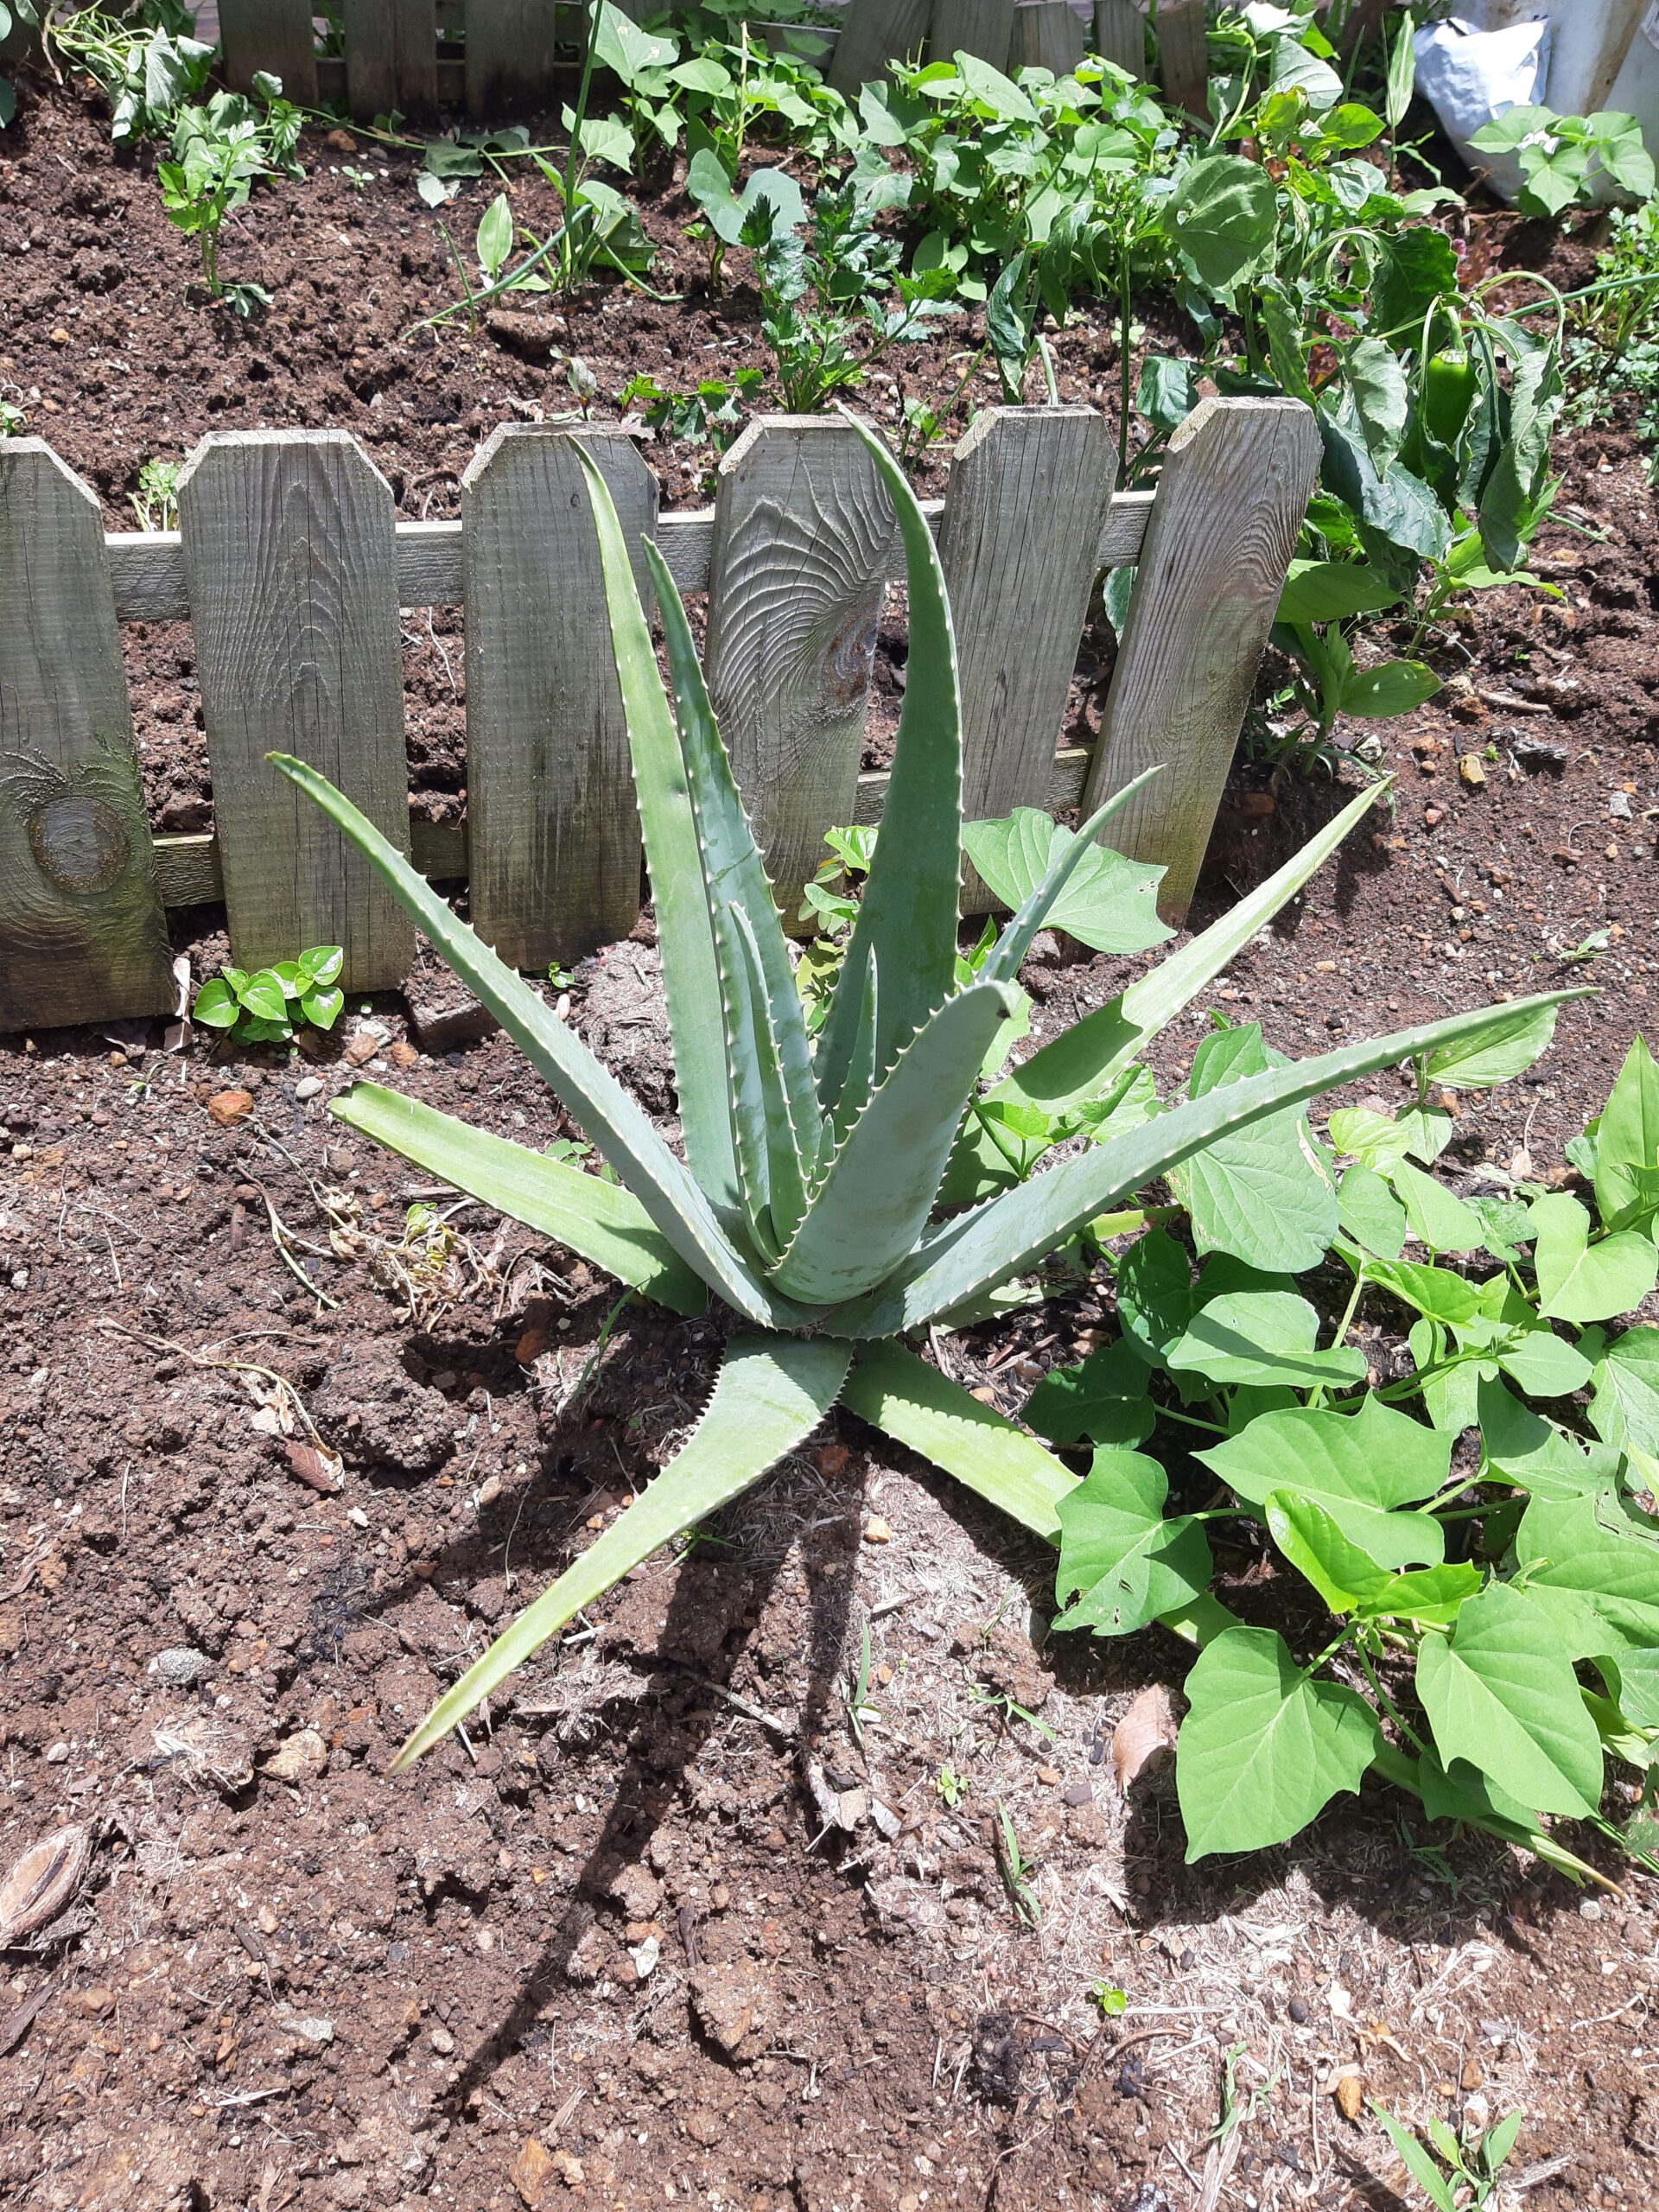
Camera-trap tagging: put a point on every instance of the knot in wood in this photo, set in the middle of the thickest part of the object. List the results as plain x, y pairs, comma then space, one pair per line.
848, 661
80, 843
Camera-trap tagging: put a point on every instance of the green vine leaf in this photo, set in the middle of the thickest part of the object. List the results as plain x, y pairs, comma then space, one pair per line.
1581, 1281
1349, 1580
1103, 1398
1122, 1563
1358, 1467
1500, 1693
1264, 1336
1263, 1748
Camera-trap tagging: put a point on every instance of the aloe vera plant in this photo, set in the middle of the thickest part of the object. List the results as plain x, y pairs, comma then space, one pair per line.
808, 1200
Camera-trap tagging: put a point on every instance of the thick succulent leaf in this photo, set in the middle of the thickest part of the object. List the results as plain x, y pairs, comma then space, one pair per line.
1033, 862
877, 1191
1012, 1232
771, 1393
786, 1172
733, 872
907, 916
1088, 1058
690, 984
601, 1221
913, 1402
1263, 1747
615, 1121
857, 1077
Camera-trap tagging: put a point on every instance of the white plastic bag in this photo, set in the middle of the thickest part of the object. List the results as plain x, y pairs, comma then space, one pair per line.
1468, 76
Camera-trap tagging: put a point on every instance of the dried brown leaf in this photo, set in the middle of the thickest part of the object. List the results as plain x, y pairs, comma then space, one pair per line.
1147, 1732
42, 1882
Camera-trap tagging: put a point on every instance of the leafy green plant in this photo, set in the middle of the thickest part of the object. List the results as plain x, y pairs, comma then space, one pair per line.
1452, 1608
806, 1198
143, 56
709, 415
1563, 157
219, 150
1465, 2169
155, 502
13, 421
267, 1006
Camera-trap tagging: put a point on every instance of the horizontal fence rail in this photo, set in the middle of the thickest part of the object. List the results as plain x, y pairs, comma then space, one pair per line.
293, 571
394, 52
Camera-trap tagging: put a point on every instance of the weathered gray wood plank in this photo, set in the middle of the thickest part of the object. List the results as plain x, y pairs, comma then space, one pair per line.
148, 566
1045, 34
509, 57
1120, 34
978, 27
1028, 493
82, 934
287, 549
556, 852
1230, 504
803, 543
188, 870
392, 56
1183, 62
873, 33
271, 35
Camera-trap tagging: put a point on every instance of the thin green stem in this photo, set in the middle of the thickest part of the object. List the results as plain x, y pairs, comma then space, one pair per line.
1191, 1420
1389, 1704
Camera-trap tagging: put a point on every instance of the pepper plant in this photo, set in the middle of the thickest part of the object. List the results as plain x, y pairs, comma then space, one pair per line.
807, 1199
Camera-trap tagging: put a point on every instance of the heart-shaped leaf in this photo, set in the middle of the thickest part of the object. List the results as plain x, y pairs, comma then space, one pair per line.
1500, 1693
1122, 1563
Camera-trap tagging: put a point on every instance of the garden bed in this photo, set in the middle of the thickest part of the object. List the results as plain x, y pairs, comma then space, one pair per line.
627, 1920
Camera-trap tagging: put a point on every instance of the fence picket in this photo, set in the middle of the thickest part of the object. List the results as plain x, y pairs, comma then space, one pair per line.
289, 559
1019, 544
1120, 34
392, 56
1047, 36
1235, 485
984, 27
803, 539
873, 33
555, 838
509, 57
276, 36
82, 933
1183, 61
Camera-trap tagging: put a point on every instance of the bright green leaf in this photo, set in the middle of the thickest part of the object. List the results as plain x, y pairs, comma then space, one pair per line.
1359, 1467
1500, 1693
1581, 1281
1122, 1563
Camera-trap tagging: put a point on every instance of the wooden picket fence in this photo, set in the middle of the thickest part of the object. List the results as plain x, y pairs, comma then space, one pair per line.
395, 50
292, 568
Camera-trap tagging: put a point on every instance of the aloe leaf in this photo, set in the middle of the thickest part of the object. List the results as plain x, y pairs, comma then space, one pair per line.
785, 1170
1012, 1232
733, 869
601, 1221
907, 916
1003, 963
615, 1121
1084, 1062
913, 1402
771, 1393
690, 983
865, 1215
858, 1075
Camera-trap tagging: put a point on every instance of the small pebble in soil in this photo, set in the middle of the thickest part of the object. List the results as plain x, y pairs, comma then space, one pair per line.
876, 1530
308, 1087
180, 1666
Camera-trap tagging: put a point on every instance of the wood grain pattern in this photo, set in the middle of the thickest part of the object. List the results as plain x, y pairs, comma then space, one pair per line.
1230, 503
805, 541
1028, 493
270, 34
1183, 61
82, 933
555, 851
1046, 35
288, 549
978, 27
873, 33
509, 57
392, 56
1120, 35
188, 870
148, 566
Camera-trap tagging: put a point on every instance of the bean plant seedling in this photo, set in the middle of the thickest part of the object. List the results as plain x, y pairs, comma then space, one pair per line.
266, 1007
807, 1197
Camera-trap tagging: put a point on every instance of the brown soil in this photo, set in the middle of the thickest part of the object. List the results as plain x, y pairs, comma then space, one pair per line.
617, 1947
